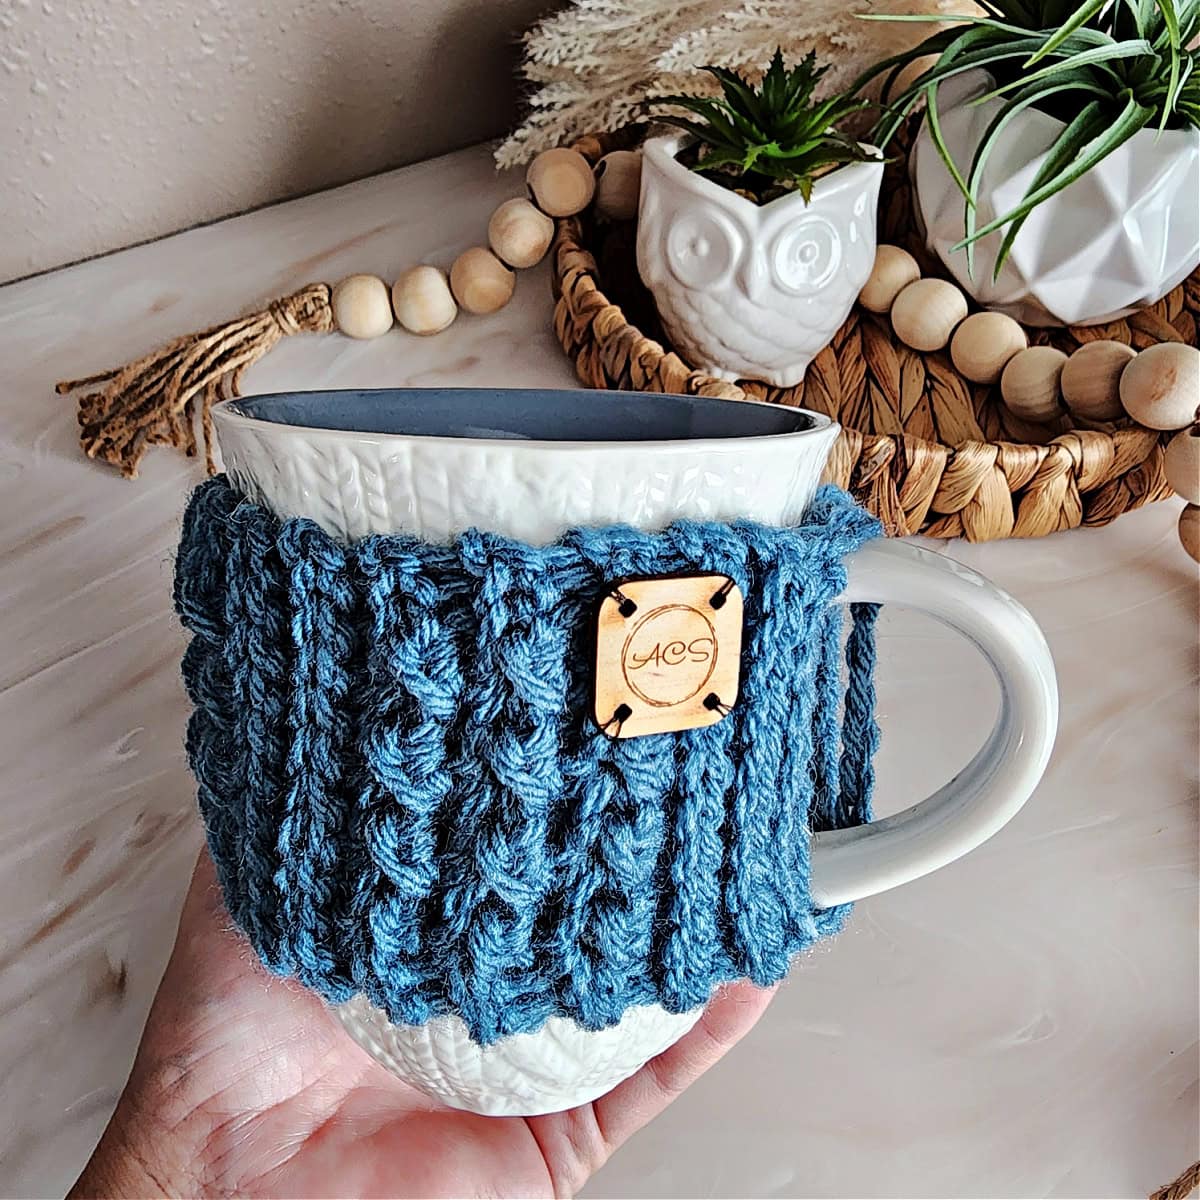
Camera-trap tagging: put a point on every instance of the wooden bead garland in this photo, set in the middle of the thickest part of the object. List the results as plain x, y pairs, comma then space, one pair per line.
155, 398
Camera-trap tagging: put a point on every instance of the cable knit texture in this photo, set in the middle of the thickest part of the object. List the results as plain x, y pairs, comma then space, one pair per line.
406, 794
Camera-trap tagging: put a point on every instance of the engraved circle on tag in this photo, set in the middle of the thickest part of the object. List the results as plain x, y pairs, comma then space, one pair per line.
670, 655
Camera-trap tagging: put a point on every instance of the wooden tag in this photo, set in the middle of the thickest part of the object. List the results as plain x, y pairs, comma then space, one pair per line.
668, 654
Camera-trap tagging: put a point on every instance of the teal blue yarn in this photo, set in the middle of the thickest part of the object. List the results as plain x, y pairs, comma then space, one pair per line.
406, 795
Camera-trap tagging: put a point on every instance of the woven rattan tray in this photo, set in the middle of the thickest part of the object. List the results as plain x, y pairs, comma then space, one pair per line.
921, 447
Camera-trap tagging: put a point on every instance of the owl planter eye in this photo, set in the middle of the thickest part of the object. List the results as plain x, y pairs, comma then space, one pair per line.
805, 255
703, 247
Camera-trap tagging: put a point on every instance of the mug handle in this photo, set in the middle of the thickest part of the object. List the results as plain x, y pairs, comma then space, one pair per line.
848, 864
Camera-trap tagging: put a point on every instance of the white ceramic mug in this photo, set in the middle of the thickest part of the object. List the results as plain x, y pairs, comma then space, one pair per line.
530, 464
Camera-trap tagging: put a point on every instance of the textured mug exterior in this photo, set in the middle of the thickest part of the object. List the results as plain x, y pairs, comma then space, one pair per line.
749, 291
1115, 240
355, 484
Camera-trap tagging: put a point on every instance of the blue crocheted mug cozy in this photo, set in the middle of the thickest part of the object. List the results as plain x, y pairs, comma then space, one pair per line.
407, 795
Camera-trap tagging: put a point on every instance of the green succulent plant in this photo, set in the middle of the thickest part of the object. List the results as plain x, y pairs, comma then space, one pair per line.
771, 137
1106, 68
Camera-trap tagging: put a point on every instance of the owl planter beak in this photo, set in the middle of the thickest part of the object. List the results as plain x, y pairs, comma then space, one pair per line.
754, 275
749, 291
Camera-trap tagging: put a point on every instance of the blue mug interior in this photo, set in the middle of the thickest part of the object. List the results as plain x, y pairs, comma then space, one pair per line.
540, 414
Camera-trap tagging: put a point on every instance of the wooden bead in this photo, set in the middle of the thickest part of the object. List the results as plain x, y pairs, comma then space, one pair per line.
519, 233
1029, 384
1181, 464
893, 271
1161, 387
561, 182
1189, 530
925, 313
983, 344
1091, 378
422, 300
481, 283
619, 185
361, 306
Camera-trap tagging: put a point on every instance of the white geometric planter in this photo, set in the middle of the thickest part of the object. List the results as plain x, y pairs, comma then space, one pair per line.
749, 291
1115, 240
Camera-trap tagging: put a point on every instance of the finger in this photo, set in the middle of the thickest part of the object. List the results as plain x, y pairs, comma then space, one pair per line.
576, 1143
731, 1014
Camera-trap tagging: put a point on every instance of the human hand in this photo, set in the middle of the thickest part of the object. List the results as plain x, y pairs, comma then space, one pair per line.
246, 1085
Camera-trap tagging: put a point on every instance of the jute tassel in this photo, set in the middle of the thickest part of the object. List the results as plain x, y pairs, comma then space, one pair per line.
1185, 1185
154, 400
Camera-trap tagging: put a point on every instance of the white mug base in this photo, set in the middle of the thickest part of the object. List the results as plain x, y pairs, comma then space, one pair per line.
559, 1067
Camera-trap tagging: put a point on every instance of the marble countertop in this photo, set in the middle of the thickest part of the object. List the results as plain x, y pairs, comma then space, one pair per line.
1022, 1023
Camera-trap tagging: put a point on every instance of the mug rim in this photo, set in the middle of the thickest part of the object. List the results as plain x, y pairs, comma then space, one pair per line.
231, 414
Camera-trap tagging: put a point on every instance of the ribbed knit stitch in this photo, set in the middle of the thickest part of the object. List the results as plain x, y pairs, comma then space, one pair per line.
406, 794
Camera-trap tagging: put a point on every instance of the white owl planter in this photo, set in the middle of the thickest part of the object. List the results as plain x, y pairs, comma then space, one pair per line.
749, 291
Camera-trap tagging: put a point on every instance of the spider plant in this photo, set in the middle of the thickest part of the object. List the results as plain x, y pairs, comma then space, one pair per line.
1106, 68
771, 137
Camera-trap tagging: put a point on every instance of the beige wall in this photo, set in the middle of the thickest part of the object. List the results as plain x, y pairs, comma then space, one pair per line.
122, 120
